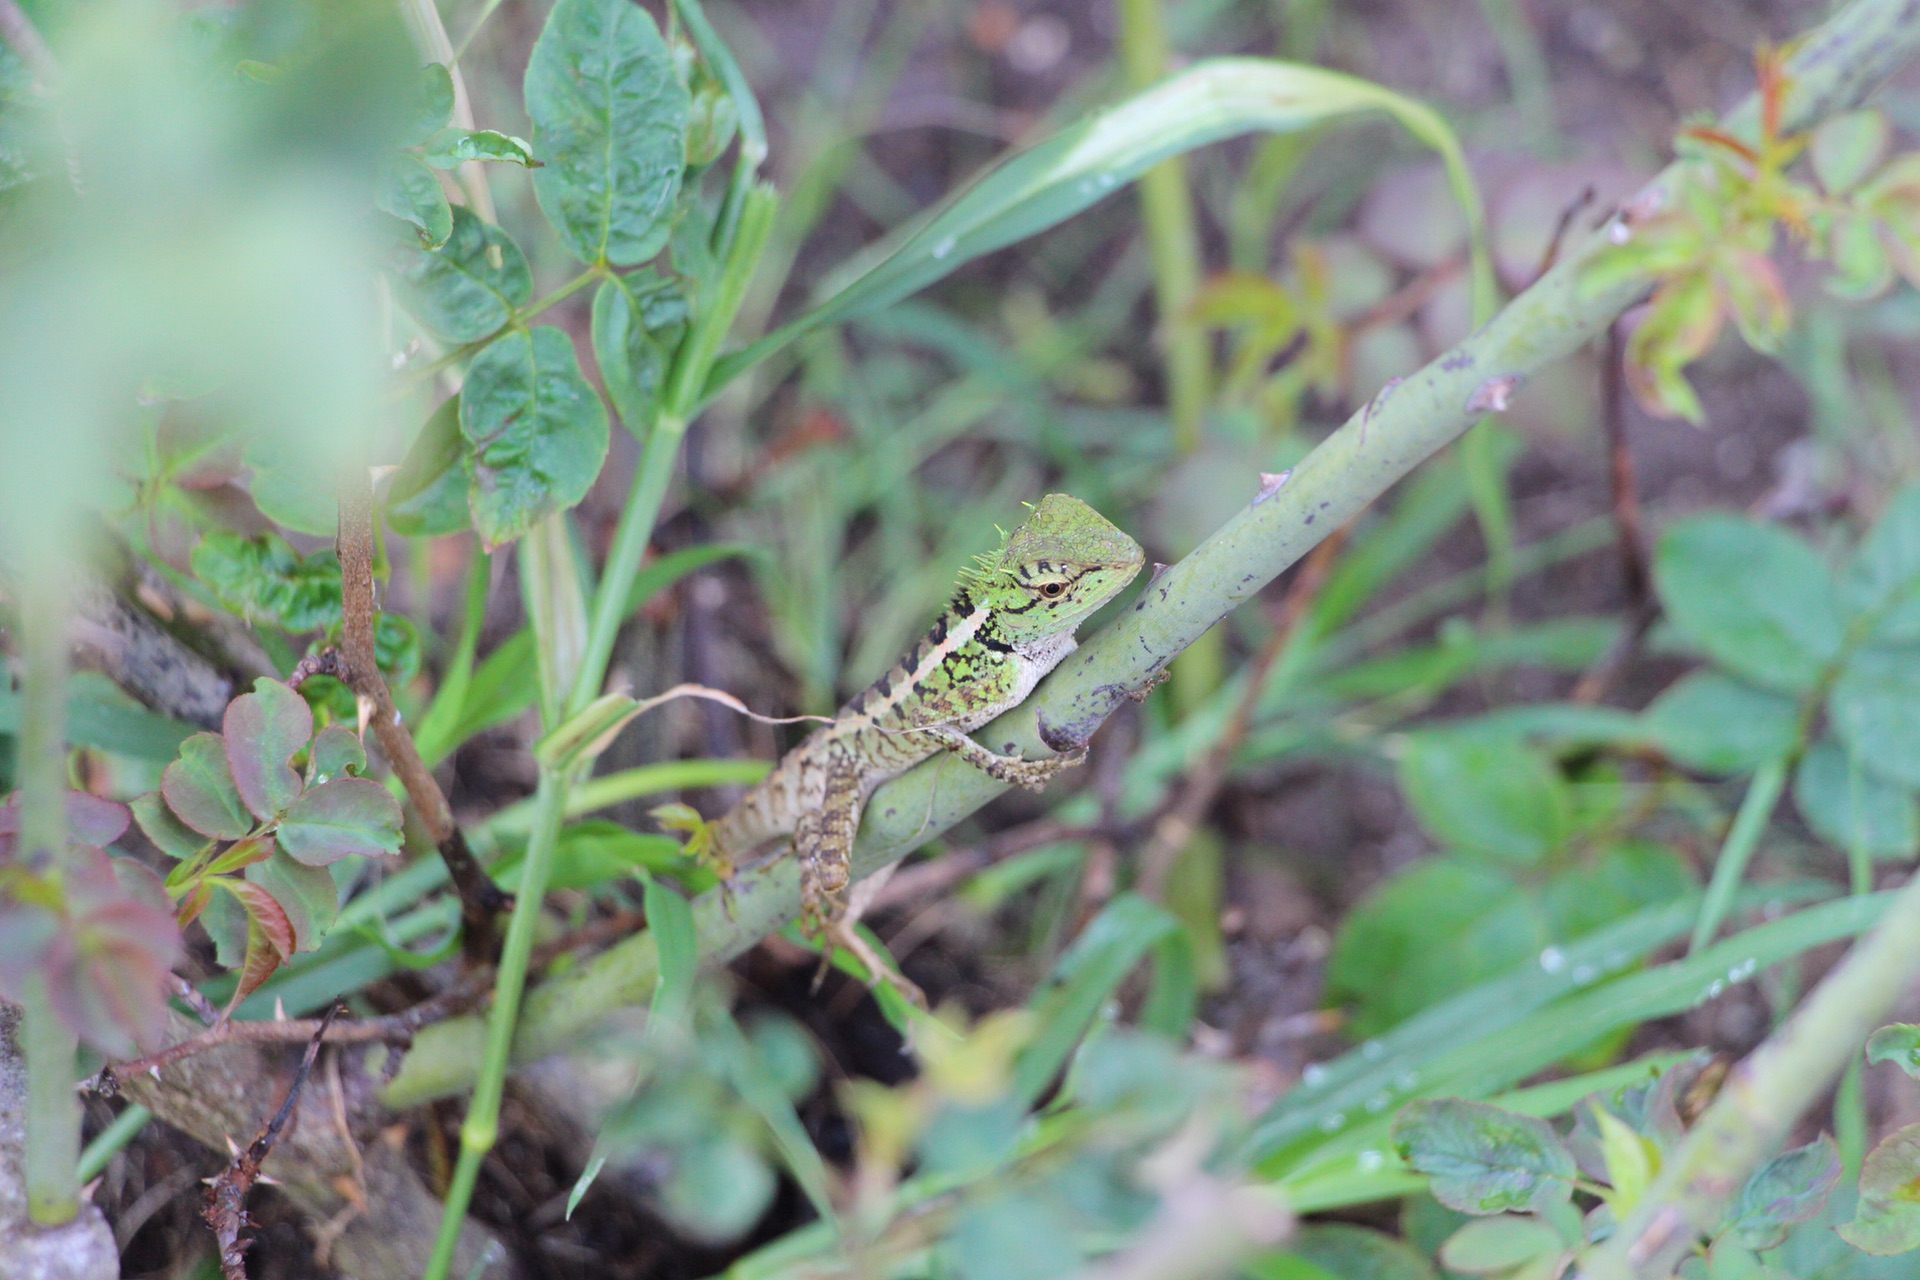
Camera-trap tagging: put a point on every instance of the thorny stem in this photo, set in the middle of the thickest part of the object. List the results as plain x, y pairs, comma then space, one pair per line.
480, 897
1834, 67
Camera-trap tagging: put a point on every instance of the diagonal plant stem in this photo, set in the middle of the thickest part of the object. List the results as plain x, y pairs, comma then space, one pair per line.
1762, 1098
480, 898
1832, 69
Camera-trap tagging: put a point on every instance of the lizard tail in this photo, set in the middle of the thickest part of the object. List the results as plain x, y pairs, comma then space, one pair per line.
740, 832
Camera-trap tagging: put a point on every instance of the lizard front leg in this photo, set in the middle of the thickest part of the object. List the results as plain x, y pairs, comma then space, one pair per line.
1031, 774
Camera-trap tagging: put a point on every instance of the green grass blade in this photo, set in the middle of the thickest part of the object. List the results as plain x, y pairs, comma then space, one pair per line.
1084, 979
1043, 186
671, 920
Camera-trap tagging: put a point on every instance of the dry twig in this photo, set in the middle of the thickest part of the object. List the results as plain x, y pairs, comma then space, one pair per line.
481, 900
226, 1210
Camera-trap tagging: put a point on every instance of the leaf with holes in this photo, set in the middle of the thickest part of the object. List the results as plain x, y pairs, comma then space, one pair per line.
338, 819
457, 291
337, 752
199, 789
1482, 1159
263, 730
265, 580
537, 430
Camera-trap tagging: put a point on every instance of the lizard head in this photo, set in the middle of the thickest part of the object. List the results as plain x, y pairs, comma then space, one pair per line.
1062, 563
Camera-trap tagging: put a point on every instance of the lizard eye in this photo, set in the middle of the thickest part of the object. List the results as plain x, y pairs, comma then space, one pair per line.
1053, 590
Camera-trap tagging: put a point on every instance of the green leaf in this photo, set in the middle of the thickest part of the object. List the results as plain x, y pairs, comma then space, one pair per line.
428, 495
1756, 599
1883, 578
430, 105
170, 836
1084, 979
1715, 723
609, 117
719, 1188
469, 286
263, 730
1355, 1253
1862, 267
1875, 710
1848, 147
538, 431
632, 363
1898, 1043
264, 579
341, 818
1502, 1246
1486, 795
1484, 1160
671, 921
199, 789
407, 189
307, 895
1851, 807
1431, 930
1790, 1188
337, 751
1888, 1219
451, 148
1044, 185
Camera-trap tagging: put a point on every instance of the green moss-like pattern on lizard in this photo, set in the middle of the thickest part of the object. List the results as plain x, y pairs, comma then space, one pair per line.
1010, 623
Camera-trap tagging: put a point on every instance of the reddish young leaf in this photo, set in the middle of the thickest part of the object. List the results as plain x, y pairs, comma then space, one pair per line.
263, 730
169, 835
264, 911
106, 969
90, 820
199, 789
262, 959
194, 903
307, 894
338, 818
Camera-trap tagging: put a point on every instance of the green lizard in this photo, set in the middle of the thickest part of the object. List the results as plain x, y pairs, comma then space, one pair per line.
1011, 621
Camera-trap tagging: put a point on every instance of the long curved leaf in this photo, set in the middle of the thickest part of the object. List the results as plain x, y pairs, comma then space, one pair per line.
1045, 185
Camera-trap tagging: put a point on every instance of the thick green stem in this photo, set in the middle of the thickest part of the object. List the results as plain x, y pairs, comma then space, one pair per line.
47, 1047
1831, 70
1763, 1097
53, 1110
482, 1126
1166, 213
662, 450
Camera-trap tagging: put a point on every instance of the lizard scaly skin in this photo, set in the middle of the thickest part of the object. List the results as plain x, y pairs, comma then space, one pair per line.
1011, 621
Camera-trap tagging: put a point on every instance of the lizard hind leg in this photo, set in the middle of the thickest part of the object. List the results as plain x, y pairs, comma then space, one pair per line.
829, 909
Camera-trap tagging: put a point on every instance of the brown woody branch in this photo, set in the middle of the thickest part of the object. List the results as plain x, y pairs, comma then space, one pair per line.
226, 1210
481, 900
